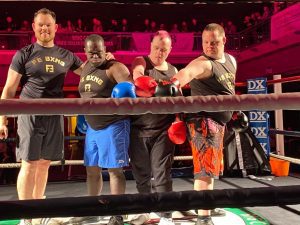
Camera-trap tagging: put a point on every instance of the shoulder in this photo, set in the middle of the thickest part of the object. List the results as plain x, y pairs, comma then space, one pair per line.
233, 60
139, 59
201, 61
27, 50
114, 64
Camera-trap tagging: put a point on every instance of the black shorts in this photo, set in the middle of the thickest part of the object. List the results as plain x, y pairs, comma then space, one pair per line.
40, 137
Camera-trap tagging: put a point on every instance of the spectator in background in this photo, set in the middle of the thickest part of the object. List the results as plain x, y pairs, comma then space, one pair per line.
266, 13
146, 25
153, 27
184, 27
230, 28
247, 22
25, 26
10, 25
124, 25
114, 26
97, 25
194, 26
162, 26
69, 26
174, 28
79, 26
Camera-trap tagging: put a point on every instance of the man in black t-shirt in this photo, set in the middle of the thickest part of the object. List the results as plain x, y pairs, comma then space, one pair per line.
42, 66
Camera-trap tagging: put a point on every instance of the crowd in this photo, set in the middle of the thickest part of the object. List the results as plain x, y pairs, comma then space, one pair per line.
191, 24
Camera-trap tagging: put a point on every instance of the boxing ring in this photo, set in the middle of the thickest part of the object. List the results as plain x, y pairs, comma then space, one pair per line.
133, 203
139, 203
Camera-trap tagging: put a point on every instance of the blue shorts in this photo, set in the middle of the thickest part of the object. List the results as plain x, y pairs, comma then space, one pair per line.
108, 147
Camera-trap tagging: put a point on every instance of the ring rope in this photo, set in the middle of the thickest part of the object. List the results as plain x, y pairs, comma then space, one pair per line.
73, 162
237, 84
269, 82
285, 132
129, 106
289, 159
154, 202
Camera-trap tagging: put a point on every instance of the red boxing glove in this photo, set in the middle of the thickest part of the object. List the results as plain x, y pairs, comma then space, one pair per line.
145, 86
177, 132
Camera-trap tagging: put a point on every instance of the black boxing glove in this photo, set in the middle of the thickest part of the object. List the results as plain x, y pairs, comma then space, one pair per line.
167, 88
239, 121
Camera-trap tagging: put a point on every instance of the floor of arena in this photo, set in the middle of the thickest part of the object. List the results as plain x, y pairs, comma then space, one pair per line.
276, 215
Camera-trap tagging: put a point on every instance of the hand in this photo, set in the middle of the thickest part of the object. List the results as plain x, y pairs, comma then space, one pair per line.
166, 88
145, 86
3, 132
109, 56
124, 89
177, 132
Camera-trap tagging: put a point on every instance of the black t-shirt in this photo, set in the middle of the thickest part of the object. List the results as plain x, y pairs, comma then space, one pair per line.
150, 125
43, 70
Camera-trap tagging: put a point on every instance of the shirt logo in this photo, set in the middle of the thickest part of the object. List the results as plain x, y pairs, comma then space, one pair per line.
49, 68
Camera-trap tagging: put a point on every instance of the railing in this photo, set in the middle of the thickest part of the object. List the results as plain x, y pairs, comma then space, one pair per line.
127, 41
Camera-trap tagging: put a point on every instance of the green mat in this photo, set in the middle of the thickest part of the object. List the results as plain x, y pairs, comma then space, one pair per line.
248, 216
9, 222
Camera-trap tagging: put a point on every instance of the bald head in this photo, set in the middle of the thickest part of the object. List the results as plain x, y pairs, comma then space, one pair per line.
161, 46
162, 35
95, 49
95, 38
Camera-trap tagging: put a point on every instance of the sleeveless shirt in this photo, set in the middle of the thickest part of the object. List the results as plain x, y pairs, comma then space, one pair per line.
222, 82
95, 83
150, 125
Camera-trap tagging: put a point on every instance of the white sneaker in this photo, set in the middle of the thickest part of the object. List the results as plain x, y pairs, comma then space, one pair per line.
25, 222
166, 221
139, 219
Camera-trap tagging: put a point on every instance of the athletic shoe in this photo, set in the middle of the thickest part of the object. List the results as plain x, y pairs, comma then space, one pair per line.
217, 212
83, 220
204, 220
166, 221
140, 219
25, 222
116, 220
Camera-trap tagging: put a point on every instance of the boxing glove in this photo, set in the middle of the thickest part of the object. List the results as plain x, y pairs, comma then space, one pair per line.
166, 88
124, 90
239, 121
81, 124
145, 86
177, 132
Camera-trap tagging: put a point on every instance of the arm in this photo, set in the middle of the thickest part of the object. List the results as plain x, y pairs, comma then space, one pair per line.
78, 71
138, 67
199, 68
119, 72
9, 91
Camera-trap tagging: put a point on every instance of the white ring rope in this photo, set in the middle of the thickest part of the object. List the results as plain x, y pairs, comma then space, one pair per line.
72, 162
156, 105
289, 159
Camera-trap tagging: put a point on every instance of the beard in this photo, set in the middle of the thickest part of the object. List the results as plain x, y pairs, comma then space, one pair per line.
44, 38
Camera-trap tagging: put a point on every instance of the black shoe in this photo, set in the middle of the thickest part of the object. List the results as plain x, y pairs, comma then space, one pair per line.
217, 212
204, 220
116, 220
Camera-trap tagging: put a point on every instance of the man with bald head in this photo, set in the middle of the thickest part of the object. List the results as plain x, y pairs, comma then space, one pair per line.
107, 136
151, 151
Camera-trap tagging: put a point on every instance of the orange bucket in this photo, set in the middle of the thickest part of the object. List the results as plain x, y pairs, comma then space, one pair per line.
279, 167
